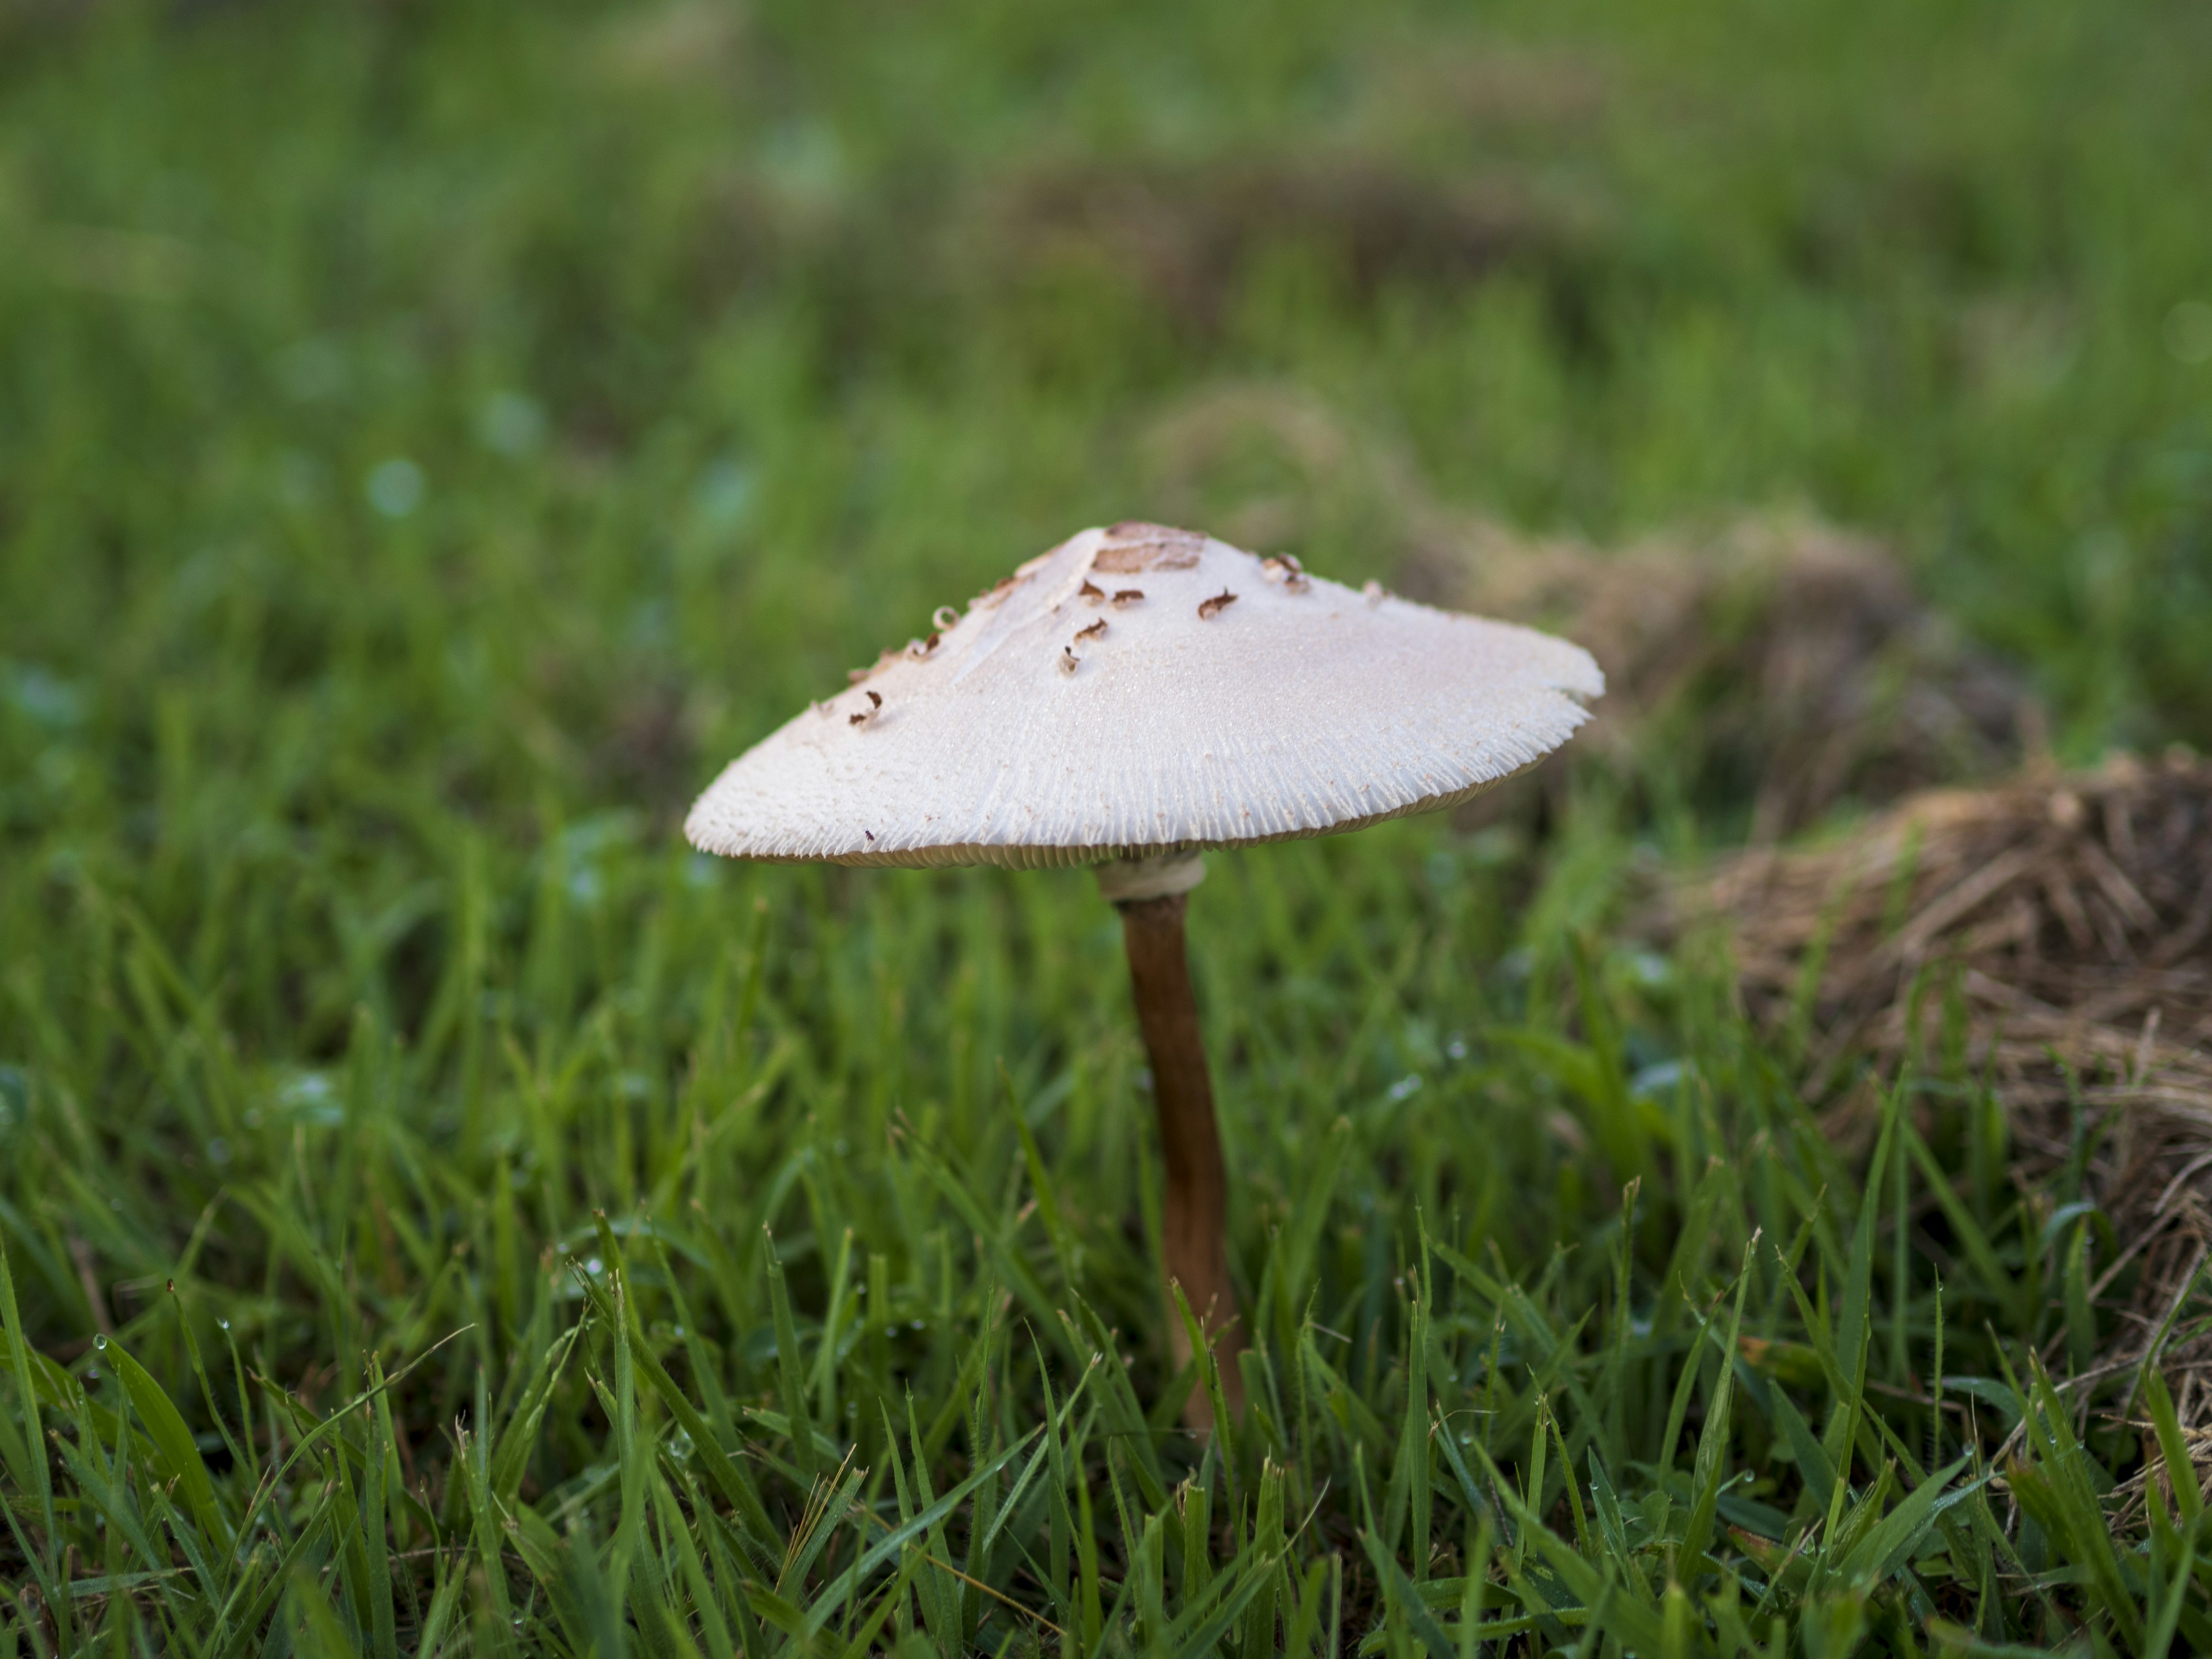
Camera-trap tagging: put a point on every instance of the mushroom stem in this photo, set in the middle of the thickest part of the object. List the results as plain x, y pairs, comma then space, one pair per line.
1195, 1222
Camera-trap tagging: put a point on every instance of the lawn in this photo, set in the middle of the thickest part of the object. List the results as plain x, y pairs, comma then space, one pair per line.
442, 1213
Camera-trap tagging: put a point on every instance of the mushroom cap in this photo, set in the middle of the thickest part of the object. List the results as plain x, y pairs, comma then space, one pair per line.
1224, 700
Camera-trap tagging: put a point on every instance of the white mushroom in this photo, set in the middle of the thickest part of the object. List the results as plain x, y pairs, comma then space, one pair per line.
1283, 714
1235, 704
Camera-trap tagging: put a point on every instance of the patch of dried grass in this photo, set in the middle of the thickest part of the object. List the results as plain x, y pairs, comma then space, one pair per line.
2058, 929
1779, 656
2076, 911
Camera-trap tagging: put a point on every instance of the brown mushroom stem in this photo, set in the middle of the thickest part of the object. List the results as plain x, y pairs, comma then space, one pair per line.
1195, 1220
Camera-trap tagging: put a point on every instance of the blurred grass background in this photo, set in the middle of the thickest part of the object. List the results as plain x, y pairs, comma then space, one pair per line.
433, 438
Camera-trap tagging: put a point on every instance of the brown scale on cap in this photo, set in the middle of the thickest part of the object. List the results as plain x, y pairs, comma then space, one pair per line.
919, 649
1133, 545
1090, 593
1124, 596
1129, 561
1284, 568
1209, 609
1068, 659
875, 702
1096, 631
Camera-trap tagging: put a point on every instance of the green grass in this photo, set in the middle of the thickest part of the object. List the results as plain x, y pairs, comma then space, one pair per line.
434, 437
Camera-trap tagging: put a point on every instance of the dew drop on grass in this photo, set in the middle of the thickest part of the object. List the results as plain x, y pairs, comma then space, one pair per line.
725, 495
511, 423
396, 487
51, 702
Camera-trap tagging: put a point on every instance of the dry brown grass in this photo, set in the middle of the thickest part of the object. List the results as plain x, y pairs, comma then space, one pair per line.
1778, 658
2057, 929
